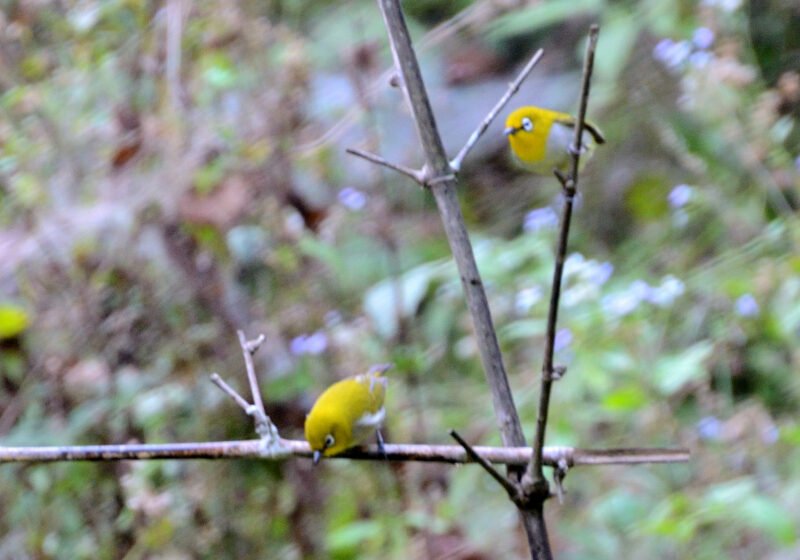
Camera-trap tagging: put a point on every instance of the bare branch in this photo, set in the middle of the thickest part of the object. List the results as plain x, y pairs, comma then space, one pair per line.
248, 349
414, 174
254, 448
535, 474
444, 191
509, 486
230, 391
513, 88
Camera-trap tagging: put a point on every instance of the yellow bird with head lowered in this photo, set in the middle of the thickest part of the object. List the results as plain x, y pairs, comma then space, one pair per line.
347, 413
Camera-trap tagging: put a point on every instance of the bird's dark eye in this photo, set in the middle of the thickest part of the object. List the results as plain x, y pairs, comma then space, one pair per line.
527, 124
329, 441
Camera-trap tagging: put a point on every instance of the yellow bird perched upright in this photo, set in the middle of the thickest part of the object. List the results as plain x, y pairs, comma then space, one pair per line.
540, 138
347, 413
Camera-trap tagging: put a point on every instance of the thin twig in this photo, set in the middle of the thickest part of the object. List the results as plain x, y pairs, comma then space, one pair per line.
254, 448
513, 88
509, 486
230, 391
415, 174
248, 349
535, 474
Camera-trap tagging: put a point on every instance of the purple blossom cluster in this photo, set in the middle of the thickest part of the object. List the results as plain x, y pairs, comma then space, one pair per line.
676, 54
625, 302
312, 344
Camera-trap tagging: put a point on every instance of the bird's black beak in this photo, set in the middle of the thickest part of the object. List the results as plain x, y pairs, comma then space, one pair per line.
510, 130
316, 456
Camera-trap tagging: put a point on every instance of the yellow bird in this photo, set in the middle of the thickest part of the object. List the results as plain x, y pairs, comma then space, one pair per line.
347, 413
540, 138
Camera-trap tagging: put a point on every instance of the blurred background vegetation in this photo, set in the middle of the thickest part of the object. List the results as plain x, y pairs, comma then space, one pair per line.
171, 171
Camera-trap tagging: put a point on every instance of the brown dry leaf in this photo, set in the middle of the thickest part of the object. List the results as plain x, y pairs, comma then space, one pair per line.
222, 207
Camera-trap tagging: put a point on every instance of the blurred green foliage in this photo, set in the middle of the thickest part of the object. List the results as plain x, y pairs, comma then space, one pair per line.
153, 200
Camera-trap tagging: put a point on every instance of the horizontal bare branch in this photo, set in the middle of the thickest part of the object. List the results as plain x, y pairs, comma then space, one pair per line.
255, 448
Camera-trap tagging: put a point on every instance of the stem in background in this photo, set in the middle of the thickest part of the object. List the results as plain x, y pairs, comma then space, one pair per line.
535, 472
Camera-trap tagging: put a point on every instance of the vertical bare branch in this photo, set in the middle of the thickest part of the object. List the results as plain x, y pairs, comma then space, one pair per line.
442, 185
570, 184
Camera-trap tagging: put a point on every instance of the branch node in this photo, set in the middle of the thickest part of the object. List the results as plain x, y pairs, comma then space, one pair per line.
560, 176
441, 179
253, 345
558, 372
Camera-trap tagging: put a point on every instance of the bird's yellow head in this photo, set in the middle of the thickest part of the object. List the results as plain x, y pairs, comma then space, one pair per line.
327, 432
527, 129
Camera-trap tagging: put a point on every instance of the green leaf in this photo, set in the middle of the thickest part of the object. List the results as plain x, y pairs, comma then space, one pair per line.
380, 301
673, 372
351, 535
523, 329
539, 16
739, 500
625, 399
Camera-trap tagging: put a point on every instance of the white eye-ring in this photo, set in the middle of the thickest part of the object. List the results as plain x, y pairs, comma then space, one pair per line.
329, 441
527, 124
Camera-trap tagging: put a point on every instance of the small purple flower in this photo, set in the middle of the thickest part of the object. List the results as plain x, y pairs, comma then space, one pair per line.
797, 163
313, 344
670, 289
640, 289
672, 54
770, 434
540, 218
700, 59
599, 275
620, 304
352, 199
703, 38
747, 306
662, 49
680, 195
527, 298
709, 428
563, 339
